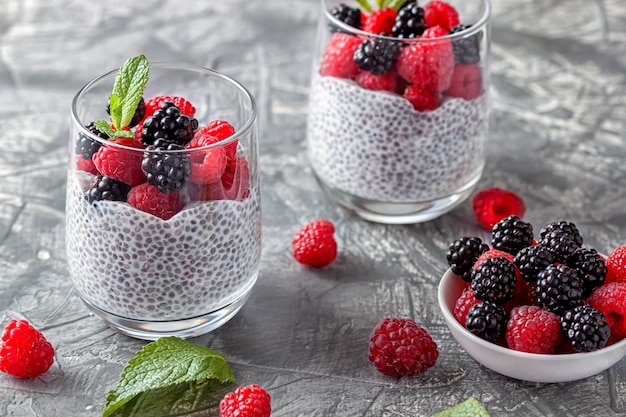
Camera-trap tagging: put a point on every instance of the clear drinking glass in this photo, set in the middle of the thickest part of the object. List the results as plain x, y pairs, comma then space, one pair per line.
185, 271
405, 146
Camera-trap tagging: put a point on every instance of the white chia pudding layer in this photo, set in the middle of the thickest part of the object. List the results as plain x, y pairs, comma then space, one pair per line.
376, 146
138, 266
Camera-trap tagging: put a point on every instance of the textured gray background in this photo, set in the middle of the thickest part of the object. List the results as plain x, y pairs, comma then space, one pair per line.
559, 70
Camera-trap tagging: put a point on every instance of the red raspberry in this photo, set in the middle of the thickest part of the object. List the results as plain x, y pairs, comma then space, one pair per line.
24, 351
440, 13
466, 83
248, 401
153, 103
338, 57
149, 199
494, 204
428, 65
492, 253
380, 21
121, 164
314, 244
236, 180
214, 132
616, 265
610, 299
400, 347
422, 101
86, 165
532, 329
206, 165
388, 82
463, 305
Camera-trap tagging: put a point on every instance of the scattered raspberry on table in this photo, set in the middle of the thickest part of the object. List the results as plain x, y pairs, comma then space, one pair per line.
24, 350
314, 245
248, 401
494, 204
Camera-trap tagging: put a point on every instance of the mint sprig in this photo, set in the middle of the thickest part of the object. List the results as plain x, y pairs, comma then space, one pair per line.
381, 4
168, 376
104, 127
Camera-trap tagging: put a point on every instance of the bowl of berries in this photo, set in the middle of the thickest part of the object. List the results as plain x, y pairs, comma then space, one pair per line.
546, 310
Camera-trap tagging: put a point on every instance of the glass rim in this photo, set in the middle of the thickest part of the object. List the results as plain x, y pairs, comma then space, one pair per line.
473, 29
247, 126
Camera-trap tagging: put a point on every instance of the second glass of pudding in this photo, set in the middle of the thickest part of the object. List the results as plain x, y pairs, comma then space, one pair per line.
399, 110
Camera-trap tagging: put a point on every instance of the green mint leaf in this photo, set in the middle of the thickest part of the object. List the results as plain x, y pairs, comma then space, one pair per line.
365, 5
115, 107
104, 127
395, 4
130, 82
123, 134
379, 4
167, 375
468, 408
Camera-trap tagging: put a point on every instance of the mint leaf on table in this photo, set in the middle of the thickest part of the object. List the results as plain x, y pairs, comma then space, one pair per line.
130, 81
468, 408
168, 376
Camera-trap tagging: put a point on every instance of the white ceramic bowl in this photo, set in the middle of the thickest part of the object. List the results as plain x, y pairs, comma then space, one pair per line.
520, 365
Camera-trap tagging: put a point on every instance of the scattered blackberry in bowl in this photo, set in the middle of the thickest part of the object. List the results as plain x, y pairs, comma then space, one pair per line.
165, 168
170, 124
567, 227
86, 146
591, 268
586, 328
494, 280
487, 321
462, 255
511, 234
376, 56
558, 289
531, 260
562, 243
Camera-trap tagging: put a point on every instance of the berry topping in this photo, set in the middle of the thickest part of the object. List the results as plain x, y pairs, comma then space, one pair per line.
616, 265
248, 401
105, 188
440, 13
236, 179
380, 21
466, 82
463, 305
208, 166
610, 299
86, 146
586, 328
494, 204
216, 131
532, 329
147, 198
168, 170
487, 321
422, 100
511, 234
314, 245
351, 16
389, 82
409, 21
121, 164
590, 267
168, 123
462, 255
494, 280
466, 50
560, 242
86, 165
24, 350
399, 346
153, 104
376, 56
531, 260
558, 288
338, 57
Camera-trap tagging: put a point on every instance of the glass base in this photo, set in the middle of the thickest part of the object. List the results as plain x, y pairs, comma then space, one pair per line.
399, 213
153, 330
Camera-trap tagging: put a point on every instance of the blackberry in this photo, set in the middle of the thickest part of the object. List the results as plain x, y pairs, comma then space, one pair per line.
462, 255
569, 228
86, 146
586, 328
562, 244
170, 124
466, 50
511, 234
409, 21
494, 280
558, 289
140, 112
105, 188
351, 16
531, 260
168, 171
487, 321
591, 268
376, 56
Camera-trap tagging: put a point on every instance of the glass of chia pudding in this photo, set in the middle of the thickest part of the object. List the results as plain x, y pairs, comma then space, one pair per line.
399, 105
163, 213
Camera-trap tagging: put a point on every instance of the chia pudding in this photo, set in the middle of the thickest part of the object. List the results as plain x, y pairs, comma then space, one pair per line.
376, 146
135, 265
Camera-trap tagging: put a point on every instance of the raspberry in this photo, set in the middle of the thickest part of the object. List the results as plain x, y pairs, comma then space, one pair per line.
377, 56
207, 165
236, 180
24, 350
314, 244
492, 253
511, 234
462, 255
389, 82
165, 168
440, 13
398, 347
153, 104
466, 82
616, 265
351, 16
422, 101
380, 21
428, 64
610, 299
463, 304
586, 328
147, 198
494, 280
105, 188
494, 204
248, 401
86, 165
121, 164
532, 329
338, 57
409, 22
217, 130
487, 321
168, 123
466, 50
558, 288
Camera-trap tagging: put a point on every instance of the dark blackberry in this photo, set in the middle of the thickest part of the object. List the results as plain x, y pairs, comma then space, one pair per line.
462, 255
466, 50
487, 321
140, 112
86, 146
494, 280
168, 171
409, 23
569, 228
511, 234
591, 268
351, 16
586, 328
376, 56
531, 260
170, 124
558, 289
561, 243
105, 188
